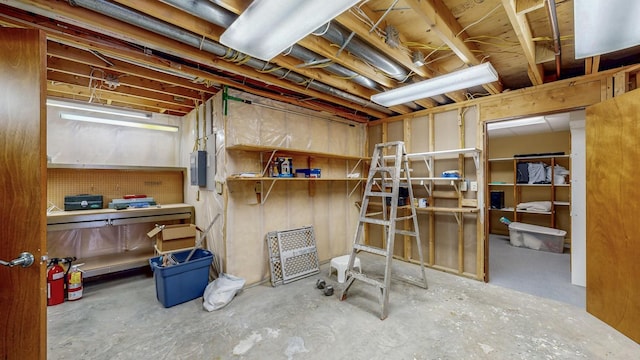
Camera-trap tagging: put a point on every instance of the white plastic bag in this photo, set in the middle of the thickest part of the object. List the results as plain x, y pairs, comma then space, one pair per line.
221, 291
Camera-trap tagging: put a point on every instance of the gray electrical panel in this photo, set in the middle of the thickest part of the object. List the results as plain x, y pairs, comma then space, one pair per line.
198, 168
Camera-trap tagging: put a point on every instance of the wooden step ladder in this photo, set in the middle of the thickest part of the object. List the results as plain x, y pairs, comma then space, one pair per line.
385, 173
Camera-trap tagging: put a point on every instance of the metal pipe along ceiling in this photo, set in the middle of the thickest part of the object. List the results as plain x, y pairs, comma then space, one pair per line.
176, 33
217, 15
553, 17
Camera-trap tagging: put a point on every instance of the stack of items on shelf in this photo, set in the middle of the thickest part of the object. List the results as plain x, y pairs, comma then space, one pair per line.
281, 167
451, 174
541, 206
540, 173
133, 201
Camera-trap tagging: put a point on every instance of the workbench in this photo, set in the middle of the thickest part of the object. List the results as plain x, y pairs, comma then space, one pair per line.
109, 240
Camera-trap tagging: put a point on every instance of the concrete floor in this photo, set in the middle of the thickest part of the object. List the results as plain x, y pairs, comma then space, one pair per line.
456, 318
534, 272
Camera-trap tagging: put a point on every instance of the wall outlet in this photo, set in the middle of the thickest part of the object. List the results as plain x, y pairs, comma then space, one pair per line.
473, 186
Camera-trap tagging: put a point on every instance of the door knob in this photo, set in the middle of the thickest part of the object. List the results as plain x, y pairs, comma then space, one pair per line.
25, 260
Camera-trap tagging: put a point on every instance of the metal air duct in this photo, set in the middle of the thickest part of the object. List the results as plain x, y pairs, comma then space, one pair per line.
176, 33
217, 15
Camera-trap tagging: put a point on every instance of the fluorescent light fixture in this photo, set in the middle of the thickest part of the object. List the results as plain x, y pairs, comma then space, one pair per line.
97, 109
461, 79
605, 26
515, 123
268, 27
134, 124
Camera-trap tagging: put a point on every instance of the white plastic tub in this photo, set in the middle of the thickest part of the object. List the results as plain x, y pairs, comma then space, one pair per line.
536, 237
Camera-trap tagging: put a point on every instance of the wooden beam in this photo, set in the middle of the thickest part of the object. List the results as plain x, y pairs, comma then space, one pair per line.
202, 27
620, 83
592, 64
102, 24
100, 95
523, 32
97, 82
128, 79
441, 21
525, 6
562, 95
351, 22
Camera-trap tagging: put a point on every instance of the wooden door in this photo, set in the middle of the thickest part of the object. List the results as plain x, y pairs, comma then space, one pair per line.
23, 291
613, 211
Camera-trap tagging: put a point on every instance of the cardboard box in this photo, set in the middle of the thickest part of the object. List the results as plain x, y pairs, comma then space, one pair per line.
308, 173
174, 237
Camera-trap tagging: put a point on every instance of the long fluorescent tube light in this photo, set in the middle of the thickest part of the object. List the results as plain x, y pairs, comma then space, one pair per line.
97, 109
134, 124
515, 123
458, 80
268, 27
605, 26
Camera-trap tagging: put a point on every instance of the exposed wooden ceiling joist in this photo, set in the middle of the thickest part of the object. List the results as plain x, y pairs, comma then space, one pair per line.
440, 20
153, 68
523, 32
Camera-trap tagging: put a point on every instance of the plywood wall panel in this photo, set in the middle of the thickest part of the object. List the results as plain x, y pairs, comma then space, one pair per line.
613, 285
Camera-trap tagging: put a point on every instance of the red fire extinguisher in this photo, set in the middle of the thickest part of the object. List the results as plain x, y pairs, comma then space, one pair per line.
55, 283
74, 283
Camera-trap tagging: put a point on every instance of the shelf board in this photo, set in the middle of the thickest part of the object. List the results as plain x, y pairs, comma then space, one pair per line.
431, 208
530, 158
443, 152
500, 184
104, 264
287, 151
466, 210
561, 203
503, 209
113, 167
240, 178
545, 185
534, 212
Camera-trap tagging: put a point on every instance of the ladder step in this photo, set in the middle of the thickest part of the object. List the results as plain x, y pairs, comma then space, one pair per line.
375, 221
370, 249
378, 194
365, 278
389, 169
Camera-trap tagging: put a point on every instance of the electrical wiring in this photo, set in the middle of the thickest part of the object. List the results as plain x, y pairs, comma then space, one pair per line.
363, 17
506, 43
275, 68
479, 20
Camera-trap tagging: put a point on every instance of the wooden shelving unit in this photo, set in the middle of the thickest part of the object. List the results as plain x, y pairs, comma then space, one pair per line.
502, 177
268, 154
429, 181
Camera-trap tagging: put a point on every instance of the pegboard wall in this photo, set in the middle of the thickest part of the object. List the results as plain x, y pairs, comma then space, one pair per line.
165, 186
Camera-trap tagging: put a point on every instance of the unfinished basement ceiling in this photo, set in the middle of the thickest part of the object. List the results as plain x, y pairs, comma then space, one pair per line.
165, 56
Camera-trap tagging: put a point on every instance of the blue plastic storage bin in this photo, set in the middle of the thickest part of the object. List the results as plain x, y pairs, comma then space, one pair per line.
182, 282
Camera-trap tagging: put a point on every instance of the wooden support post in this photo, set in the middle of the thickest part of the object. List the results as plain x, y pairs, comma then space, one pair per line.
432, 215
385, 135
461, 145
620, 82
